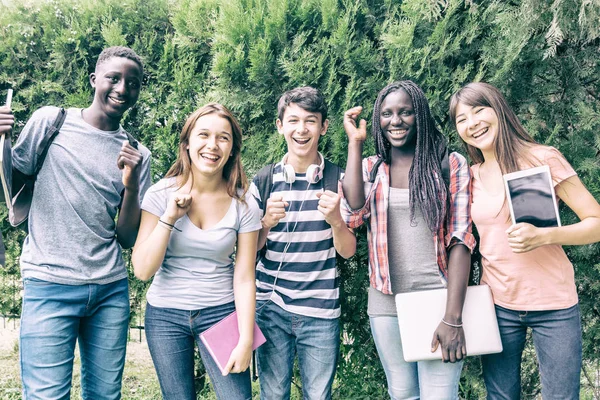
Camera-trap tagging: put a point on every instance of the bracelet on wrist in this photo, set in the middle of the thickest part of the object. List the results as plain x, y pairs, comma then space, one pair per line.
168, 226
452, 325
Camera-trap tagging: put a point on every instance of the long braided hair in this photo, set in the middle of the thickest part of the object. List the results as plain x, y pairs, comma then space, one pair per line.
426, 186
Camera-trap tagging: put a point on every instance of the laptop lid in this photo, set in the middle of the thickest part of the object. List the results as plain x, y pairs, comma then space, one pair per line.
419, 314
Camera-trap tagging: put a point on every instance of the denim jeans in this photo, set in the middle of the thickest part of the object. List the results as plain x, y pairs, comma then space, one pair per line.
315, 340
171, 335
432, 379
557, 342
53, 318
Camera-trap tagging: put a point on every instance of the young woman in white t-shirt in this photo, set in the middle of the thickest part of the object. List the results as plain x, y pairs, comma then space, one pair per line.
531, 278
193, 223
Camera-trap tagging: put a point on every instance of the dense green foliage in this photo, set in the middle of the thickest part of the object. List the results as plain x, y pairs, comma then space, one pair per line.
244, 53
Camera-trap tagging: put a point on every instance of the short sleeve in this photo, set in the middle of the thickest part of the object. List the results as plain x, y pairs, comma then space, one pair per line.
145, 180
255, 193
249, 215
560, 169
157, 196
24, 152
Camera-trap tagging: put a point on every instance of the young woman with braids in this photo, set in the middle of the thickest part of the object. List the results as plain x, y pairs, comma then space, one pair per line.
419, 232
530, 276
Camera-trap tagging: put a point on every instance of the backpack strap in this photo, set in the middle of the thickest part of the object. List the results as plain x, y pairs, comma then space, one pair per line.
331, 176
373, 172
42, 150
264, 182
132, 141
446, 168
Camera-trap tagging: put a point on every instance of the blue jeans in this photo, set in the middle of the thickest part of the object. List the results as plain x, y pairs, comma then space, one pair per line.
53, 318
171, 335
557, 342
432, 379
317, 342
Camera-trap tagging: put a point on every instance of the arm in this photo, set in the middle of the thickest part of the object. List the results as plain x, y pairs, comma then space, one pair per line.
353, 185
244, 289
275, 211
344, 240
460, 242
129, 161
153, 238
452, 338
523, 237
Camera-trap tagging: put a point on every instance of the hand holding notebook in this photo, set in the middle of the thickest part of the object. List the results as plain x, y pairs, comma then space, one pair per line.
221, 338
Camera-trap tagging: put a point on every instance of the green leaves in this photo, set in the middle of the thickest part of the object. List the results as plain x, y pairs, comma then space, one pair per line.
246, 53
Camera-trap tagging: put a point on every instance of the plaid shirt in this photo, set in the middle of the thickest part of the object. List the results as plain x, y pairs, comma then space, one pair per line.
456, 229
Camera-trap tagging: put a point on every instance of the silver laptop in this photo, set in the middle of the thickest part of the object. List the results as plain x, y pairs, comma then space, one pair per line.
419, 314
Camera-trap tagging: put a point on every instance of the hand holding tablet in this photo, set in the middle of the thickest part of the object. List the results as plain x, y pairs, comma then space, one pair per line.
531, 197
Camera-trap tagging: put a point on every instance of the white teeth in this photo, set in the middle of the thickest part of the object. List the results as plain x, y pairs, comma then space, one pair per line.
479, 133
301, 141
117, 100
210, 157
397, 132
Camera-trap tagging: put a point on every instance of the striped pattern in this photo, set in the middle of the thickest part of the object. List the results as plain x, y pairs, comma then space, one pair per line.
300, 256
457, 228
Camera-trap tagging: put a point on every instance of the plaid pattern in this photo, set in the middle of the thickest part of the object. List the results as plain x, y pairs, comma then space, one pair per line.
456, 229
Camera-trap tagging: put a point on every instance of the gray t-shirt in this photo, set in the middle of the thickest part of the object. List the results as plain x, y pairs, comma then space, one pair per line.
197, 271
413, 261
72, 227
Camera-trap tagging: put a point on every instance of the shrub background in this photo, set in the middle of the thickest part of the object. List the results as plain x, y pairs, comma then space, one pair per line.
544, 55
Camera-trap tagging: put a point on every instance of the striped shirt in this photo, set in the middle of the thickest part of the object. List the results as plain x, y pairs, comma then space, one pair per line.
456, 229
300, 256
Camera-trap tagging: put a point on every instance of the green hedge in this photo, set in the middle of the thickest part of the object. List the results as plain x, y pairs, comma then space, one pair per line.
244, 53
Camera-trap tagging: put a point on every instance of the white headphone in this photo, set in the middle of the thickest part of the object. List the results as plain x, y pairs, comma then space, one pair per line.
314, 172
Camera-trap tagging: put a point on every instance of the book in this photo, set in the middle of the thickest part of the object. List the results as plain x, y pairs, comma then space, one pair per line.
531, 197
6, 162
221, 338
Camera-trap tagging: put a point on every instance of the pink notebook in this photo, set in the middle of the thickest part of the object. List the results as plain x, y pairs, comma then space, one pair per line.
221, 338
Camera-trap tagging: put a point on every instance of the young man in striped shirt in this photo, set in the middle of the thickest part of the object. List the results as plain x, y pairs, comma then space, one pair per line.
298, 305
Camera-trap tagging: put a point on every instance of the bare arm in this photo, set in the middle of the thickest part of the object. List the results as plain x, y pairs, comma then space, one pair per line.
452, 339
153, 238
244, 289
525, 237
344, 240
129, 161
274, 212
352, 184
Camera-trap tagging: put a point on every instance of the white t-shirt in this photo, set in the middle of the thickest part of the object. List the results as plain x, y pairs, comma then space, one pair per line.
197, 271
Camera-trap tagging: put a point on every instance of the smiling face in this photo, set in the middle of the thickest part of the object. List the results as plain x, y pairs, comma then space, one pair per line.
117, 84
210, 144
301, 129
397, 119
477, 126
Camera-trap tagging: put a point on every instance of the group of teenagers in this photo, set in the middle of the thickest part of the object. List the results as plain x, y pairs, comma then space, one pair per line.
197, 231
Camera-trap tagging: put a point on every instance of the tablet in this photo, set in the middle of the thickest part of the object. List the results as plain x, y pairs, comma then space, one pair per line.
531, 197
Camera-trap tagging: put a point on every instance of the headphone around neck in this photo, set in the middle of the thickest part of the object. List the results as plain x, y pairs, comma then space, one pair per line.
314, 172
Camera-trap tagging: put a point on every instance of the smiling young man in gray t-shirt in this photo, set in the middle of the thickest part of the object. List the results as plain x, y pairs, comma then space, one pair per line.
85, 208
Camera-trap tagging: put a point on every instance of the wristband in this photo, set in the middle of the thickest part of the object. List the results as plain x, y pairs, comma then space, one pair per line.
452, 325
169, 226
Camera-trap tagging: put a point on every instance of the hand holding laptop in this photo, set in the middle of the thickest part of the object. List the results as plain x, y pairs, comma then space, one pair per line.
452, 342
